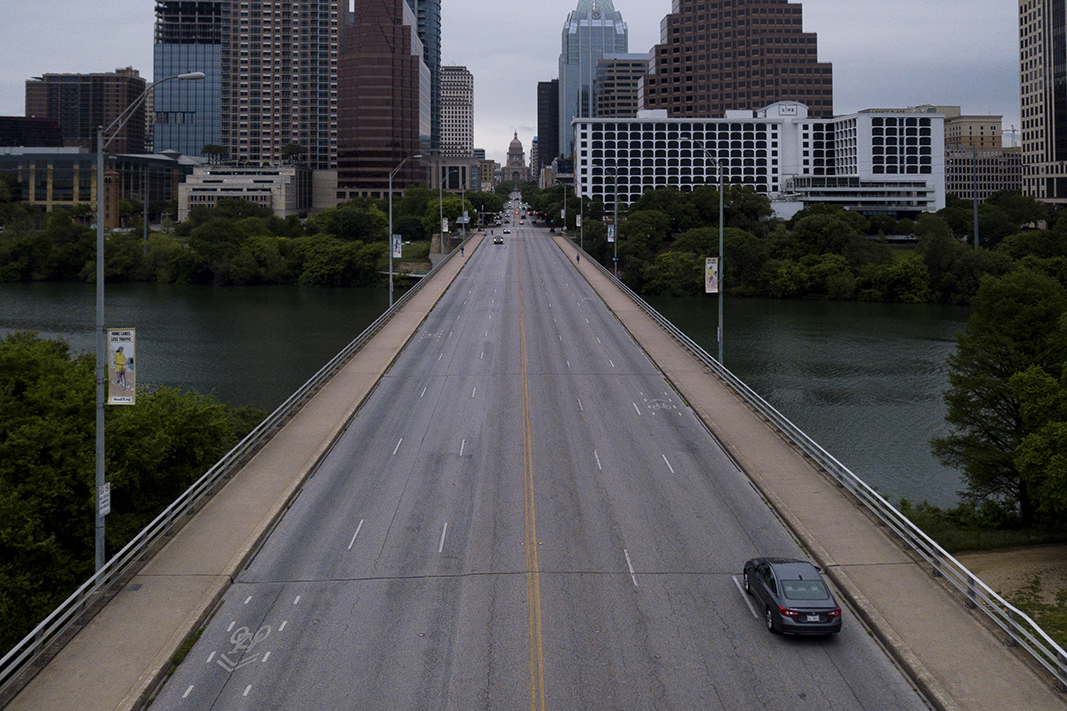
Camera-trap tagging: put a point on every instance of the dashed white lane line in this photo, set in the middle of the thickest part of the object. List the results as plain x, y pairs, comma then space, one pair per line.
353, 541
266, 657
441, 545
668, 464
462, 446
210, 657
187, 692
580, 405
248, 599
612, 362
296, 600
597, 457
230, 628
424, 391
247, 689
473, 392
398, 446
636, 408
282, 625
630, 566
745, 597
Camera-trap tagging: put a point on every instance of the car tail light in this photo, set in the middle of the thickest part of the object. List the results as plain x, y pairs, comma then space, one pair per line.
786, 612
836, 612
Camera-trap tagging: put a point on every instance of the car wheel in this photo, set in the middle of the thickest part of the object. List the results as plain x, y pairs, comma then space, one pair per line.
748, 588
770, 621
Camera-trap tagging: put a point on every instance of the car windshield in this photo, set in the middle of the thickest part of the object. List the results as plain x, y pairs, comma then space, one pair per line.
805, 590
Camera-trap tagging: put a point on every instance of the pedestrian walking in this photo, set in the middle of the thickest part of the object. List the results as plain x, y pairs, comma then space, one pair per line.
578, 257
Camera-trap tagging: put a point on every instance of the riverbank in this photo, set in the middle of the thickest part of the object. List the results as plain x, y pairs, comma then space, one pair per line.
1033, 578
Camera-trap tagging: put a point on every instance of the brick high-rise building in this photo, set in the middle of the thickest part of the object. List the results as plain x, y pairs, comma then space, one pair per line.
279, 79
1043, 88
84, 102
385, 96
718, 55
457, 112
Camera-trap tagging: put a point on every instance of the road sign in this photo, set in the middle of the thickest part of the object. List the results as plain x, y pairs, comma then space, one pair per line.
105, 499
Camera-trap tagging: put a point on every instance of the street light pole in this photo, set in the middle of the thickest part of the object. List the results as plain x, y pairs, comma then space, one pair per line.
101, 332
389, 243
615, 219
718, 170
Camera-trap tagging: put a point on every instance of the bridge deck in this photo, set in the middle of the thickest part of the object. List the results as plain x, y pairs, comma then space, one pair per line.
114, 662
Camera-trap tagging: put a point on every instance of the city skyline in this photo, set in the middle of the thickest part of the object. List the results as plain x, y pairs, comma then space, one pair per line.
933, 53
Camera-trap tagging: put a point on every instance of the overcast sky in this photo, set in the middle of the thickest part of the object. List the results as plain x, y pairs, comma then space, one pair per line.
886, 53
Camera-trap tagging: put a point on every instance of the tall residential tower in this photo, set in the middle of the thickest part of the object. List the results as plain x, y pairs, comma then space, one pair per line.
594, 29
279, 79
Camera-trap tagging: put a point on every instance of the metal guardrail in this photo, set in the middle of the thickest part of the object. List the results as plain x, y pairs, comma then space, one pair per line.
1020, 629
84, 599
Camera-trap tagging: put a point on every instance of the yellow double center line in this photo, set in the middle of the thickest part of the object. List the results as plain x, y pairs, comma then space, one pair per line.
533, 575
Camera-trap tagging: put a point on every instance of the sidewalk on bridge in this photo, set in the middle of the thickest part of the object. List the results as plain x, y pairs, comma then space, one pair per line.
948, 652
115, 662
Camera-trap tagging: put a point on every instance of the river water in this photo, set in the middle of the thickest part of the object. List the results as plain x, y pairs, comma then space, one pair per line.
863, 380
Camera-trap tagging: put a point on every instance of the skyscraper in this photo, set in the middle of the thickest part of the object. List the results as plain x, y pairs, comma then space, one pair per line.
385, 100
83, 102
279, 79
457, 112
188, 38
717, 55
547, 123
428, 13
618, 77
1043, 95
594, 29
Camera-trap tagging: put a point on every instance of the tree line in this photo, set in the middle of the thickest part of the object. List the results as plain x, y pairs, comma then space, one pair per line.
234, 243
822, 252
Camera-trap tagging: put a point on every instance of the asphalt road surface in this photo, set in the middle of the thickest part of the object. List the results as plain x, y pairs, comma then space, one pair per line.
523, 515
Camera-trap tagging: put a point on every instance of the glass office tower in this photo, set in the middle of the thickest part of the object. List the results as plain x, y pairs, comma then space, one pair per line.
188, 38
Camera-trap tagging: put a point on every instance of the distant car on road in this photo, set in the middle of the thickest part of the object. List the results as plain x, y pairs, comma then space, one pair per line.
498, 240
793, 595
507, 231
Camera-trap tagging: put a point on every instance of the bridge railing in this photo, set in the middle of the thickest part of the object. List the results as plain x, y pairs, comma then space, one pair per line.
85, 598
1018, 626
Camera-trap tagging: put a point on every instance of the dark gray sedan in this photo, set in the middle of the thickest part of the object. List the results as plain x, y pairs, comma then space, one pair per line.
793, 595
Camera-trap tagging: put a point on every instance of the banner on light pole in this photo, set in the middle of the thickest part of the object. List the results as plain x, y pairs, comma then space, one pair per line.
578, 221
611, 233
122, 379
398, 250
711, 275
444, 225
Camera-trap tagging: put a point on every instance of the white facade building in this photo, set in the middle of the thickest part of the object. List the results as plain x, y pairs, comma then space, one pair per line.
287, 190
457, 112
872, 162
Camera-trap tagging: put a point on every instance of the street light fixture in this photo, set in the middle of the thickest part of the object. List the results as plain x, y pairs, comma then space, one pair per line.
718, 170
390, 241
101, 333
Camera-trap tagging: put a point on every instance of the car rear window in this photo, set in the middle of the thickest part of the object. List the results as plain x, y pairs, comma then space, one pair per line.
805, 590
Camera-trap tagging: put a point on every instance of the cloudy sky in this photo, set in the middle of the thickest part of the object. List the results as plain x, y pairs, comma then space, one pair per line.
886, 53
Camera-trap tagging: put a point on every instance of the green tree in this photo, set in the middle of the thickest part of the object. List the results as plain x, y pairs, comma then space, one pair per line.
1041, 457
47, 433
1013, 326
